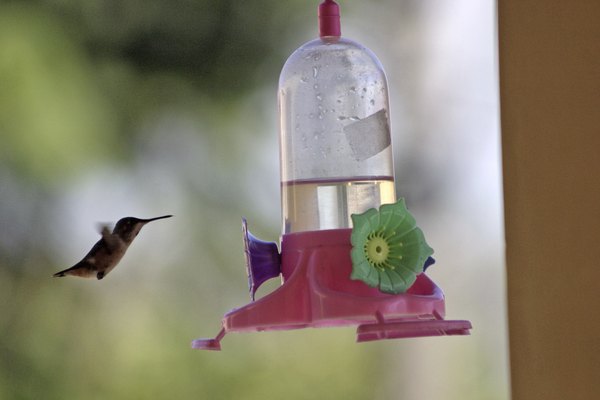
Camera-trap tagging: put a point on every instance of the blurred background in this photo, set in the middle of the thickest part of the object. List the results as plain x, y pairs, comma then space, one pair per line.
127, 107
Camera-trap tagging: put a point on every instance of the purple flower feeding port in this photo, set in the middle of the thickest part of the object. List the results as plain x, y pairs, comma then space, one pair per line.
263, 261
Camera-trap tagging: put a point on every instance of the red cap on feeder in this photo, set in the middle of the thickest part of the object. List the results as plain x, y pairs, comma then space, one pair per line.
329, 19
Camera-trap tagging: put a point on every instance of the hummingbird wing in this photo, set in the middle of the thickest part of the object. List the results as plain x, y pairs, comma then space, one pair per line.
108, 244
99, 246
103, 227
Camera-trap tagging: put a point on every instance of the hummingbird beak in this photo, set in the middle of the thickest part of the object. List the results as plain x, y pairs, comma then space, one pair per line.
145, 221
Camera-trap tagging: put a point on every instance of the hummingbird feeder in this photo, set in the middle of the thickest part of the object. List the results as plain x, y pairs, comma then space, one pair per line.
351, 254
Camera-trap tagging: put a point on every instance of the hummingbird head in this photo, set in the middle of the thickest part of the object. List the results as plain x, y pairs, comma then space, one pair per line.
127, 228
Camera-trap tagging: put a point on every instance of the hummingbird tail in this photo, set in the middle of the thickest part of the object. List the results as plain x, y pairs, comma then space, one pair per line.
68, 271
82, 269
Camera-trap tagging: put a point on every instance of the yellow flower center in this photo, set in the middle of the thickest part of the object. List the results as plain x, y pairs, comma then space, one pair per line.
377, 250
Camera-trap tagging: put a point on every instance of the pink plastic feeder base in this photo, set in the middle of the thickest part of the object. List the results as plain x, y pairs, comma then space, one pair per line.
317, 292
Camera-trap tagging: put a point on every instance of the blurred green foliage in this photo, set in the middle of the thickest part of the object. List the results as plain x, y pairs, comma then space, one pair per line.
111, 108
79, 76
52, 117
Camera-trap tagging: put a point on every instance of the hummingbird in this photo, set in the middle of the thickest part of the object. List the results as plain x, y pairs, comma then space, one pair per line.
108, 251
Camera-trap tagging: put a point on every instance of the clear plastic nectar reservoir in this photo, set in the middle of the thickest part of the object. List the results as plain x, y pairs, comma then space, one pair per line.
335, 142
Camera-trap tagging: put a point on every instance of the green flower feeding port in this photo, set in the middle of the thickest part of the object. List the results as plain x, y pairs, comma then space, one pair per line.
351, 255
388, 249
